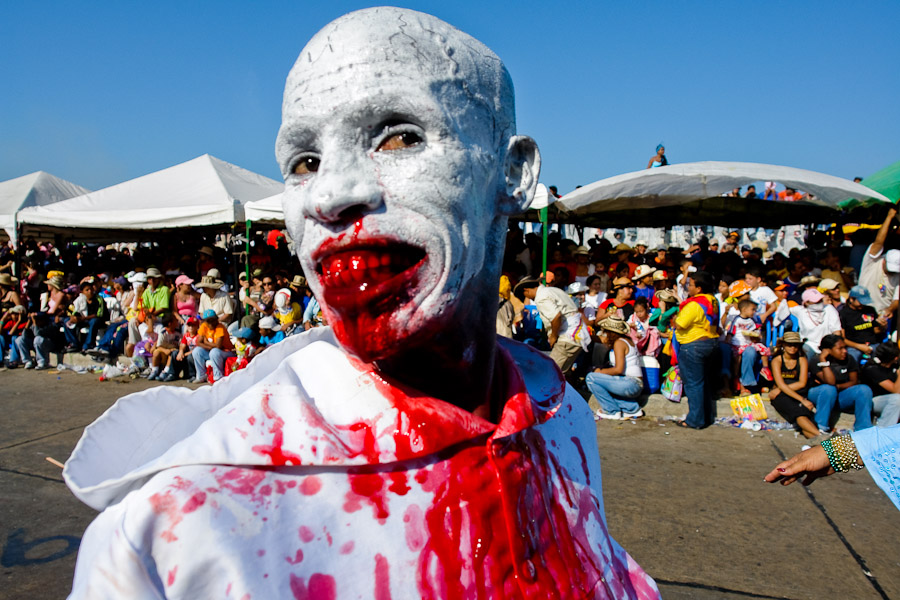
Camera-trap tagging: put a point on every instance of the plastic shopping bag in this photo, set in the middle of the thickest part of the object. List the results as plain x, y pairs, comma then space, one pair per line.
672, 385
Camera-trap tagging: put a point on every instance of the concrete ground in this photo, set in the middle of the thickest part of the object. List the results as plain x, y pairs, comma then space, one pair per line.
690, 506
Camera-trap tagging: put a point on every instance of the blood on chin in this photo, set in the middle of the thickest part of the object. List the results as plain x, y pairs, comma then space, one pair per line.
368, 335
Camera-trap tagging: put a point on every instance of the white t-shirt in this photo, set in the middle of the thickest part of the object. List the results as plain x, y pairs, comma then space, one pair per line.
882, 286
814, 326
551, 301
763, 296
592, 305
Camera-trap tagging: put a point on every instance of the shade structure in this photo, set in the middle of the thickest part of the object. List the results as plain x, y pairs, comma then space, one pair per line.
267, 210
886, 181
691, 194
35, 189
202, 192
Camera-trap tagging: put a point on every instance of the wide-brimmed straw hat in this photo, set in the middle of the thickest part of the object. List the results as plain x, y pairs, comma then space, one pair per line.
642, 271
791, 337
298, 281
56, 281
622, 248
7, 279
524, 283
614, 324
620, 282
206, 250
583, 250
576, 288
154, 272
209, 282
667, 296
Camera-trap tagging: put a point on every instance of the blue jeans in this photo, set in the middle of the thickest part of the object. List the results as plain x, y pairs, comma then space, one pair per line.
857, 397
856, 354
725, 351
41, 346
698, 365
887, 407
215, 356
748, 366
615, 392
92, 326
113, 340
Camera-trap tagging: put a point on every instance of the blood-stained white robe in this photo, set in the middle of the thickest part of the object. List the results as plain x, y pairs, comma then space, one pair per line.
308, 475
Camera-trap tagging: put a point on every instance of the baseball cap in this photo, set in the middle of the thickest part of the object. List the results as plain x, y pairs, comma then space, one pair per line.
812, 295
209, 313
860, 293
892, 261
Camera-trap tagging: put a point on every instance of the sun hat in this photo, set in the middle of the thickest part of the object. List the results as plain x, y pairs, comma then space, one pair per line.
206, 250
256, 273
183, 279
812, 295
209, 314
525, 283
642, 271
56, 281
861, 293
620, 282
660, 275
622, 248
243, 276
214, 273
892, 261
244, 332
576, 288
283, 299
298, 281
667, 296
760, 244
641, 243
582, 250
737, 289
209, 282
827, 284
791, 337
18, 308
7, 279
809, 280
138, 278
269, 323
614, 324
154, 272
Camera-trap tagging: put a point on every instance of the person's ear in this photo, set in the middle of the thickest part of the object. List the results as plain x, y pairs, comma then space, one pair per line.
521, 168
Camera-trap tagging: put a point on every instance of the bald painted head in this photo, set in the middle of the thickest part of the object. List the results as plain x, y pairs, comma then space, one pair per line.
401, 165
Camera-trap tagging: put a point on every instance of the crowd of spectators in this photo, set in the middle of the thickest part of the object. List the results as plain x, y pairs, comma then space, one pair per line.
177, 310
812, 328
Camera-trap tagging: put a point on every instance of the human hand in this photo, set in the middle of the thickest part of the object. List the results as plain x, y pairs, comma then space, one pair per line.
808, 405
551, 339
823, 357
812, 464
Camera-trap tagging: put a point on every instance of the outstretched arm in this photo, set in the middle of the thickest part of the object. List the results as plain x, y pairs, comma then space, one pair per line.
878, 244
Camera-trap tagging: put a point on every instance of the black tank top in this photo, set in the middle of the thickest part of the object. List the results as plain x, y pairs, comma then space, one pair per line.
790, 375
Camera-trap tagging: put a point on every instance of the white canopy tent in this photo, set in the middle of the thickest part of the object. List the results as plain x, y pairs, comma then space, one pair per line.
692, 193
201, 192
35, 189
267, 210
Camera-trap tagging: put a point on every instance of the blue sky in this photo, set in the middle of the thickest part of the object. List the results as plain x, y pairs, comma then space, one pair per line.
98, 93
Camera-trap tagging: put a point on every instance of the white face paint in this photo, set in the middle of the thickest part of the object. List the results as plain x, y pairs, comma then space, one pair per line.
394, 143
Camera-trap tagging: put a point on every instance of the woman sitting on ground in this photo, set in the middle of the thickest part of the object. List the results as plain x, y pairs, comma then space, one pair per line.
618, 386
790, 371
835, 376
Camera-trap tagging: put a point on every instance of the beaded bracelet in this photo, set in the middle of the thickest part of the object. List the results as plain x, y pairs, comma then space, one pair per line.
842, 453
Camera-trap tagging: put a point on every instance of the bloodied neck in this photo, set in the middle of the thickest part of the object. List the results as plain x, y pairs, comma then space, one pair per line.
401, 165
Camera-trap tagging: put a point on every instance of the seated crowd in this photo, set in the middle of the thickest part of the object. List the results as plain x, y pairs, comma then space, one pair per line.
811, 329
166, 321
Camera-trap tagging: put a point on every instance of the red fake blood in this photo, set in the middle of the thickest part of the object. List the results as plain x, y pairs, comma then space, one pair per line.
584, 462
241, 481
310, 485
167, 504
399, 483
367, 487
171, 578
347, 548
365, 280
321, 587
306, 534
277, 455
382, 578
297, 557
195, 502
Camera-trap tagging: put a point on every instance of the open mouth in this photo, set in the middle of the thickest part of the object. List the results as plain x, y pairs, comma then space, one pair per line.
366, 277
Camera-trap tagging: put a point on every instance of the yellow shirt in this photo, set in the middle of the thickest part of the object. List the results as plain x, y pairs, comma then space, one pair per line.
691, 324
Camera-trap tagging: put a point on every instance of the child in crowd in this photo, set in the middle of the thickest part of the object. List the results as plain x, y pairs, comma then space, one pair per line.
644, 335
744, 332
164, 350
269, 332
188, 343
13, 323
244, 348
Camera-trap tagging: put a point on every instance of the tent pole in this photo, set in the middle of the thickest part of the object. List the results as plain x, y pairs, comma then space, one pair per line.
247, 250
544, 225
